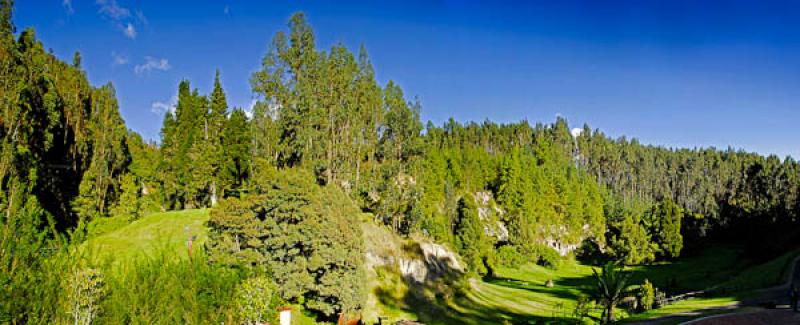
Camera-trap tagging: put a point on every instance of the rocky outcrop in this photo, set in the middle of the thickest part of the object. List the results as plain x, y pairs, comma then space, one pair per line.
557, 242
416, 259
563, 249
420, 262
489, 213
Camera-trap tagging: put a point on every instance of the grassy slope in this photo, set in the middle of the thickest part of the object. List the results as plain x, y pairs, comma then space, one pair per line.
517, 294
521, 296
735, 288
168, 230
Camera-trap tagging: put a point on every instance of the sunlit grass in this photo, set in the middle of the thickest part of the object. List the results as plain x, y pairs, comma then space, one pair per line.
522, 296
517, 294
692, 308
168, 230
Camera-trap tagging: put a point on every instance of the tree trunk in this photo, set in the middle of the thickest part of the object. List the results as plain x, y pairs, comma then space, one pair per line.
213, 193
610, 314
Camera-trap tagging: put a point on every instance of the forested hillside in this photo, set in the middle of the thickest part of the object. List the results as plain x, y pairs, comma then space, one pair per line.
64, 153
325, 143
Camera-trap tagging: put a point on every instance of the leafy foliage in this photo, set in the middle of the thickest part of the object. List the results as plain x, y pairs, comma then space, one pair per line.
646, 296
470, 237
162, 289
326, 141
304, 235
257, 300
86, 290
611, 288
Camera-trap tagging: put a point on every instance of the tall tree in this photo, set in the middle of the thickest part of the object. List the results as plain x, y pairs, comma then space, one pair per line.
109, 155
470, 237
236, 143
214, 136
400, 140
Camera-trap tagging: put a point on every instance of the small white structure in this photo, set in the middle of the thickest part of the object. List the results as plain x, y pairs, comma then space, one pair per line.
285, 315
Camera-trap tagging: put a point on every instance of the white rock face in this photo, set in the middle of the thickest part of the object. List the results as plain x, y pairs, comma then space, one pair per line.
377, 260
482, 198
495, 229
501, 231
436, 261
562, 248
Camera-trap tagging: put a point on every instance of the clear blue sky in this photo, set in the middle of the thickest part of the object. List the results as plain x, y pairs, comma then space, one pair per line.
673, 73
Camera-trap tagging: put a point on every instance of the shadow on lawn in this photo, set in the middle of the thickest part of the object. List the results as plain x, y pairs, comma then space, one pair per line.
440, 311
445, 300
559, 289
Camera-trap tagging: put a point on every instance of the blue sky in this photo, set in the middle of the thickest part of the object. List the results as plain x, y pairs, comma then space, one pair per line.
673, 73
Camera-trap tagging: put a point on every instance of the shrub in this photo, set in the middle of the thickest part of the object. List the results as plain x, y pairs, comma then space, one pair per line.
660, 299
164, 289
589, 252
646, 296
257, 299
87, 288
548, 257
582, 308
509, 256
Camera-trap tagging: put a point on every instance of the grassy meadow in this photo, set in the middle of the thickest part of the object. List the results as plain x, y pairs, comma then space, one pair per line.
519, 295
168, 230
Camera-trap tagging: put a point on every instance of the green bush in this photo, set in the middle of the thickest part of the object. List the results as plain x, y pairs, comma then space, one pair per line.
85, 292
583, 307
257, 300
168, 290
646, 296
509, 256
659, 299
306, 236
547, 257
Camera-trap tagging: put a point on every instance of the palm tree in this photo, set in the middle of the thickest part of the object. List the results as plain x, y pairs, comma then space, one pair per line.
611, 288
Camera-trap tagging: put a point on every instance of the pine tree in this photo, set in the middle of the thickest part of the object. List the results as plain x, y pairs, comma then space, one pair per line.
237, 150
214, 137
470, 237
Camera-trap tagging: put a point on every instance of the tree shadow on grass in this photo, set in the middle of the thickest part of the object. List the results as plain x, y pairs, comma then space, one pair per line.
559, 289
437, 311
446, 299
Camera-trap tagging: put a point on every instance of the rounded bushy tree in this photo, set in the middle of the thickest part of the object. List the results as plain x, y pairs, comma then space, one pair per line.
305, 235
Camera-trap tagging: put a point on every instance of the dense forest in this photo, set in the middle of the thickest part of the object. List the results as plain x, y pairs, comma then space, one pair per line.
327, 142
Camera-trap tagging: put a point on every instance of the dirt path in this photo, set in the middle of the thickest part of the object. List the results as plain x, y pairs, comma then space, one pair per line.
754, 314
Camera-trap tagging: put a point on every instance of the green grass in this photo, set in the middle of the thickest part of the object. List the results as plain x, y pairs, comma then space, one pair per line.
715, 265
521, 296
167, 230
518, 295
689, 309
764, 275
